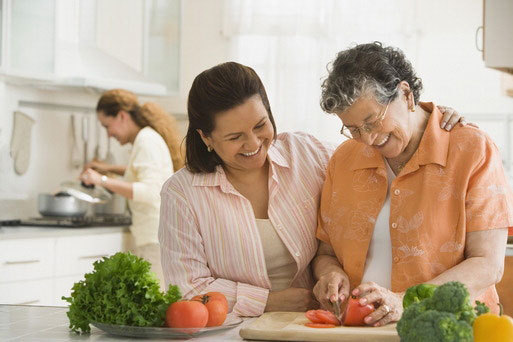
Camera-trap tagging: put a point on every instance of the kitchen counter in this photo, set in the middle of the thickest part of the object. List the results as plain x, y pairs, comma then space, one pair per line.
50, 323
25, 232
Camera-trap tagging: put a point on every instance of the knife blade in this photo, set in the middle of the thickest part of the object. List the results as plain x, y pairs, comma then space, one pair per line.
336, 307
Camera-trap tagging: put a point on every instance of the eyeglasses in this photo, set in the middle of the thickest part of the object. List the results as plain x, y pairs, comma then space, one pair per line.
356, 132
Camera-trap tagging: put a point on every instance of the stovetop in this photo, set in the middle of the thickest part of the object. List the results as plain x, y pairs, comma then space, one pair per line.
72, 222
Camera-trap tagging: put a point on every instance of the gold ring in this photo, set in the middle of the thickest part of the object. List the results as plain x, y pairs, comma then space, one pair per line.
387, 309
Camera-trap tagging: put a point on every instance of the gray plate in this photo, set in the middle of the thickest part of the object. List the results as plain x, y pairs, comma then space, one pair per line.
173, 333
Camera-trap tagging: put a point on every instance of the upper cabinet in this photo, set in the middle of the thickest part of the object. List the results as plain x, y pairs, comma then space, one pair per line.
498, 34
103, 44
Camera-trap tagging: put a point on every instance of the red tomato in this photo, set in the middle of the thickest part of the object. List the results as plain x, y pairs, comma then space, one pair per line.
217, 307
312, 316
327, 317
322, 316
319, 325
355, 313
186, 314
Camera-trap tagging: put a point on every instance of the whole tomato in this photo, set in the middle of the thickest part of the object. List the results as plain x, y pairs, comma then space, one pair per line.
217, 307
187, 314
355, 313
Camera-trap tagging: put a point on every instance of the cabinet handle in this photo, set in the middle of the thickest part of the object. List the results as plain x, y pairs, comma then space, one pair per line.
22, 262
93, 256
480, 28
29, 302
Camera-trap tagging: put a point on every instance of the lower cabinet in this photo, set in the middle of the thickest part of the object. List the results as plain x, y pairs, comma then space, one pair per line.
505, 287
39, 271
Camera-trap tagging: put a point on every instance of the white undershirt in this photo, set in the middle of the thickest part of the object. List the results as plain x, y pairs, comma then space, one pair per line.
378, 266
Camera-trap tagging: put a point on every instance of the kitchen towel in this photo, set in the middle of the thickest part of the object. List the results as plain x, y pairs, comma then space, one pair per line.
20, 141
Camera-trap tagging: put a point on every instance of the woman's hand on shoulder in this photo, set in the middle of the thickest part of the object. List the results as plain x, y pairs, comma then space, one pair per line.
389, 305
292, 299
451, 117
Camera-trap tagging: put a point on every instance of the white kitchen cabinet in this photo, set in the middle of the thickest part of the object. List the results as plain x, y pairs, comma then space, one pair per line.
75, 254
34, 22
26, 259
40, 270
28, 292
497, 34
74, 43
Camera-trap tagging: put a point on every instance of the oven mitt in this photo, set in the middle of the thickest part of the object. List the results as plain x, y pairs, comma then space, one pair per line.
20, 141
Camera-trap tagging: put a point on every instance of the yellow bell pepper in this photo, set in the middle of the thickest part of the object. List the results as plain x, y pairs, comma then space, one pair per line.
493, 328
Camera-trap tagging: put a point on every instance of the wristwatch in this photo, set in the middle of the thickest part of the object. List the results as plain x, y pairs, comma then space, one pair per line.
104, 179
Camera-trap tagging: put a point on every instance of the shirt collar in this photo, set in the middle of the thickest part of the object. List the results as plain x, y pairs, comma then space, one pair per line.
433, 147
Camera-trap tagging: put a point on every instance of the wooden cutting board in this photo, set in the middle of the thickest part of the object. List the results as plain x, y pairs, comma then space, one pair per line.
289, 326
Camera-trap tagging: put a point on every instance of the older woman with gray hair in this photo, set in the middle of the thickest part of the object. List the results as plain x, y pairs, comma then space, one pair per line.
404, 202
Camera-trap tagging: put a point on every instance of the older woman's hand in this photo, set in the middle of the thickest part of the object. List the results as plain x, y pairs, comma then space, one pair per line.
389, 304
330, 287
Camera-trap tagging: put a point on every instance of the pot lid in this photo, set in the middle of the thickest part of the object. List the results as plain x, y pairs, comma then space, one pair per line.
91, 194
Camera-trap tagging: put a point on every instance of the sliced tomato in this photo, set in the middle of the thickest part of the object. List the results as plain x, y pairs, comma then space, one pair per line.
312, 316
319, 325
327, 317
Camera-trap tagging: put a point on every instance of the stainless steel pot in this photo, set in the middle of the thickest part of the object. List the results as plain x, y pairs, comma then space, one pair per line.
61, 204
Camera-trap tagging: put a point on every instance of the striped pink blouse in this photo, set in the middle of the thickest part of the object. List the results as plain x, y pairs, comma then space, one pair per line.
208, 233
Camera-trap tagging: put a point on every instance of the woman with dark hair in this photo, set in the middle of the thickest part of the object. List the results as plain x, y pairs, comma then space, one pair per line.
240, 218
155, 153
404, 201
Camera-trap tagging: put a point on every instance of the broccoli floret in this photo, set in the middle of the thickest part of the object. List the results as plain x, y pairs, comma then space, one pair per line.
418, 293
453, 297
413, 311
481, 308
436, 326
445, 316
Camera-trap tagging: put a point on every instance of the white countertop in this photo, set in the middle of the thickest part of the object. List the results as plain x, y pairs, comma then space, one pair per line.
48, 323
25, 232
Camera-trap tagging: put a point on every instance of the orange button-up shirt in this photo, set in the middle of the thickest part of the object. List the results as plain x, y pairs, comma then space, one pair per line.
453, 184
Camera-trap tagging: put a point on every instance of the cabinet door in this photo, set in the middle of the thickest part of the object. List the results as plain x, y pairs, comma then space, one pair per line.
32, 36
24, 259
62, 287
32, 292
498, 33
75, 255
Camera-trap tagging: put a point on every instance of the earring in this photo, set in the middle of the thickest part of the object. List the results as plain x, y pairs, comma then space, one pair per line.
412, 109
209, 148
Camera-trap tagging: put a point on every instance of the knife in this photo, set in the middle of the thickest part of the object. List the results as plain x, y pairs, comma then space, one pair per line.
336, 308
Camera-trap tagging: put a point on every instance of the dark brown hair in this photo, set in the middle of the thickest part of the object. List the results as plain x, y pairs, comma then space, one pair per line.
149, 114
216, 90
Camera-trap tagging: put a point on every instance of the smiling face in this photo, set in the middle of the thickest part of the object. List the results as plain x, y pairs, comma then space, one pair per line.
394, 133
242, 135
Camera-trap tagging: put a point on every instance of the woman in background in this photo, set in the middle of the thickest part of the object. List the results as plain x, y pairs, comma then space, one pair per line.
155, 155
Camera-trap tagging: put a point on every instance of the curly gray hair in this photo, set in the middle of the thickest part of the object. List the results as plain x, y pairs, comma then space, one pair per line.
367, 69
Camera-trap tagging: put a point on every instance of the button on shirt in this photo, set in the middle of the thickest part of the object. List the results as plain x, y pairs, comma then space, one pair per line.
453, 184
208, 232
